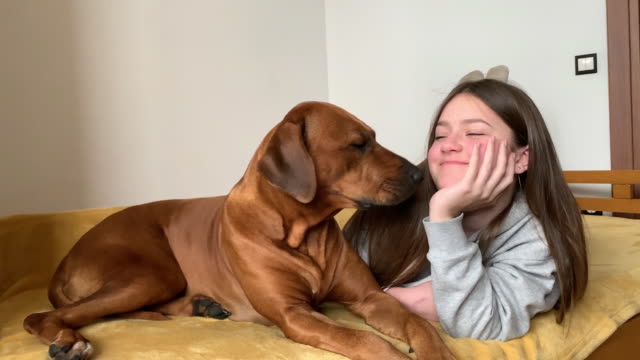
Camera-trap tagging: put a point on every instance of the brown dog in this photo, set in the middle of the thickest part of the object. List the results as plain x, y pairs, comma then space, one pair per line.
269, 252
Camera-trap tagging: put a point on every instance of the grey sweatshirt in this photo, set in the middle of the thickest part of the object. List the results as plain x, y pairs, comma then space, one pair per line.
492, 295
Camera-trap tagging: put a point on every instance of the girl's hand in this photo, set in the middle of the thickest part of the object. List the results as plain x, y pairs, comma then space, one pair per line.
418, 299
480, 186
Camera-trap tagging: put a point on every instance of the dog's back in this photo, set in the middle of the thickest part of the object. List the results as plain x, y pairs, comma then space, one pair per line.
268, 252
149, 234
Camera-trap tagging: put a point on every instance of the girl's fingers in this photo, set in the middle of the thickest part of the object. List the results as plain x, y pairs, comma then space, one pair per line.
472, 169
487, 165
500, 167
508, 177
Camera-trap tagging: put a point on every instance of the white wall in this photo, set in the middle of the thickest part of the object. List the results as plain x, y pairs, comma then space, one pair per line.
391, 63
118, 102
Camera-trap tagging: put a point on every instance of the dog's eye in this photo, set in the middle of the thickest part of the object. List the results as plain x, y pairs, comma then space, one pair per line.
360, 145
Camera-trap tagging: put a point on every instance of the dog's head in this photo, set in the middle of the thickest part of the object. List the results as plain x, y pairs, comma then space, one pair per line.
321, 153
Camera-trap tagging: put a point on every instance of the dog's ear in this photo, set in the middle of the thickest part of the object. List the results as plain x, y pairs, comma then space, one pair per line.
287, 163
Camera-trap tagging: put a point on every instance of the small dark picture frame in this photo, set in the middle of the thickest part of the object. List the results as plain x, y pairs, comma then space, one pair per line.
586, 64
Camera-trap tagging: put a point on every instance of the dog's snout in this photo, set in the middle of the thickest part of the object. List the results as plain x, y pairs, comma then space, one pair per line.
415, 174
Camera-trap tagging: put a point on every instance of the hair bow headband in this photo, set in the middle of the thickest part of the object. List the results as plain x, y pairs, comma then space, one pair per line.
500, 73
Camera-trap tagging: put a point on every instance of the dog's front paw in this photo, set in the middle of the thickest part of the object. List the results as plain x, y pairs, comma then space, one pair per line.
207, 307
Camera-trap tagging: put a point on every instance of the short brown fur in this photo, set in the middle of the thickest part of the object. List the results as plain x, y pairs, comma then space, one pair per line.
268, 252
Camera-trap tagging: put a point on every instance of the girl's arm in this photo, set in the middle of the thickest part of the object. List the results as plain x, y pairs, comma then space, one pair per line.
418, 299
495, 300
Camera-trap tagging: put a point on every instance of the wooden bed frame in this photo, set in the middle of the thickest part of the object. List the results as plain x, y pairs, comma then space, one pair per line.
622, 189
624, 342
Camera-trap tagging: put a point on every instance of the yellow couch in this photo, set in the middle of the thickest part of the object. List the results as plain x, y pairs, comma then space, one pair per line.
31, 246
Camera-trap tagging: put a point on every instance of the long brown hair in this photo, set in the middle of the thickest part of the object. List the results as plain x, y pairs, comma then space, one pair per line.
394, 238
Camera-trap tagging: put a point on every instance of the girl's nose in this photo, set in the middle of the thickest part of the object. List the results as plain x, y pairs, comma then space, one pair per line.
451, 143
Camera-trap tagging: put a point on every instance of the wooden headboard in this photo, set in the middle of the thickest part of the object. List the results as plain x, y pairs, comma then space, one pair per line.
622, 184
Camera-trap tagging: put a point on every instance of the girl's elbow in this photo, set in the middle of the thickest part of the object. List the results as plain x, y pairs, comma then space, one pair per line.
504, 333
492, 330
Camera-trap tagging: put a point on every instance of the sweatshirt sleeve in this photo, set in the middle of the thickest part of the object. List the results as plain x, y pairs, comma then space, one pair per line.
493, 301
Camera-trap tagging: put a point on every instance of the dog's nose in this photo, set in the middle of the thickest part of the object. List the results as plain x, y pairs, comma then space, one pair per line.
416, 175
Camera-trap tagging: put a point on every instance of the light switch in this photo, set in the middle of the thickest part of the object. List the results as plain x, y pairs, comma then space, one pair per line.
586, 64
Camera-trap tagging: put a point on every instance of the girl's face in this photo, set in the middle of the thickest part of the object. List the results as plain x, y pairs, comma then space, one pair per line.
464, 121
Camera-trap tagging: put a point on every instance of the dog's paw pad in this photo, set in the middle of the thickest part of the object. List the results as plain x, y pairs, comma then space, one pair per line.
81, 350
55, 349
199, 306
204, 302
216, 311
209, 308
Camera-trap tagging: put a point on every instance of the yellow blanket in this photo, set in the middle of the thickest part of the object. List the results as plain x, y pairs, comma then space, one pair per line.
31, 246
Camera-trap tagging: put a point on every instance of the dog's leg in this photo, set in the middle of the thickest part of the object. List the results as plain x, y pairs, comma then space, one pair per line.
57, 328
307, 326
193, 305
390, 317
142, 315
358, 290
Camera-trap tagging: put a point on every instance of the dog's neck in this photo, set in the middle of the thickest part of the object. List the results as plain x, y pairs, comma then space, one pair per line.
281, 217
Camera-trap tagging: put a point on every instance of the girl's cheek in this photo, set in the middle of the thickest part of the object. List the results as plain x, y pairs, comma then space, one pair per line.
433, 159
433, 152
